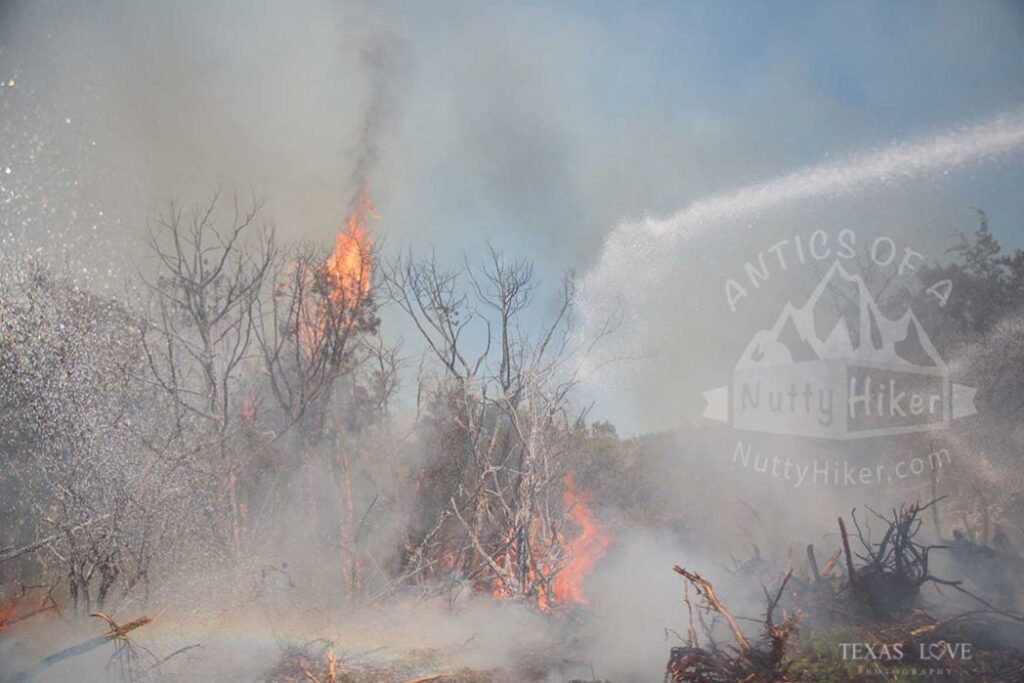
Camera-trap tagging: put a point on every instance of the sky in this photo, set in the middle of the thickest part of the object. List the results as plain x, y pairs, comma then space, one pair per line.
536, 126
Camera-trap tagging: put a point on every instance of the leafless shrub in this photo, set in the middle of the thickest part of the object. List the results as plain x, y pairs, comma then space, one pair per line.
494, 400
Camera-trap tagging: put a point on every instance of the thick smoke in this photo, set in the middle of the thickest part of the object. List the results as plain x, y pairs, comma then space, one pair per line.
383, 62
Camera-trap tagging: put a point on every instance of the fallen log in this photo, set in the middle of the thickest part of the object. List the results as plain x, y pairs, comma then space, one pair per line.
116, 632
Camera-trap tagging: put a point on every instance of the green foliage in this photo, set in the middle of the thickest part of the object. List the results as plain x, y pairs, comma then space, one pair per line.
820, 657
988, 284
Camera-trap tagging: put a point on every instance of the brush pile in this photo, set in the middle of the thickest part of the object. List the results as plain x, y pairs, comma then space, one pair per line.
869, 620
741, 661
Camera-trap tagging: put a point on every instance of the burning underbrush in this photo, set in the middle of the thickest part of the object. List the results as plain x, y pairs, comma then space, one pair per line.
225, 452
235, 429
873, 605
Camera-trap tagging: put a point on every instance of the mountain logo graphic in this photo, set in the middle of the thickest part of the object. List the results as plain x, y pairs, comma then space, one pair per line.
837, 368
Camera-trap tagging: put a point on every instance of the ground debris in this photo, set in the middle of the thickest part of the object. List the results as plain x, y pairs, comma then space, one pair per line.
876, 602
760, 662
318, 662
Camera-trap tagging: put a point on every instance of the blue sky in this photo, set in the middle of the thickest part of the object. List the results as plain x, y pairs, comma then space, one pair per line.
803, 70
644, 107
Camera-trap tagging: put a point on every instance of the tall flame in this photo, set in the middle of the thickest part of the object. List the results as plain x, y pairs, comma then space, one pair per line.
584, 550
349, 266
580, 554
346, 275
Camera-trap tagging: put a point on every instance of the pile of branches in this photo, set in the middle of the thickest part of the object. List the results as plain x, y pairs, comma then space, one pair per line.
881, 597
762, 662
878, 596
893, 570
883, 579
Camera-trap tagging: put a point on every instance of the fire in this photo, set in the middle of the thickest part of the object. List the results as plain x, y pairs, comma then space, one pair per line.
345, 274
578, 555
584, 550
349, 267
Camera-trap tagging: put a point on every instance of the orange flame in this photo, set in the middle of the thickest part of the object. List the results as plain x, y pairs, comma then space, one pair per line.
348, 267
584, 550
346, 274
581, 553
